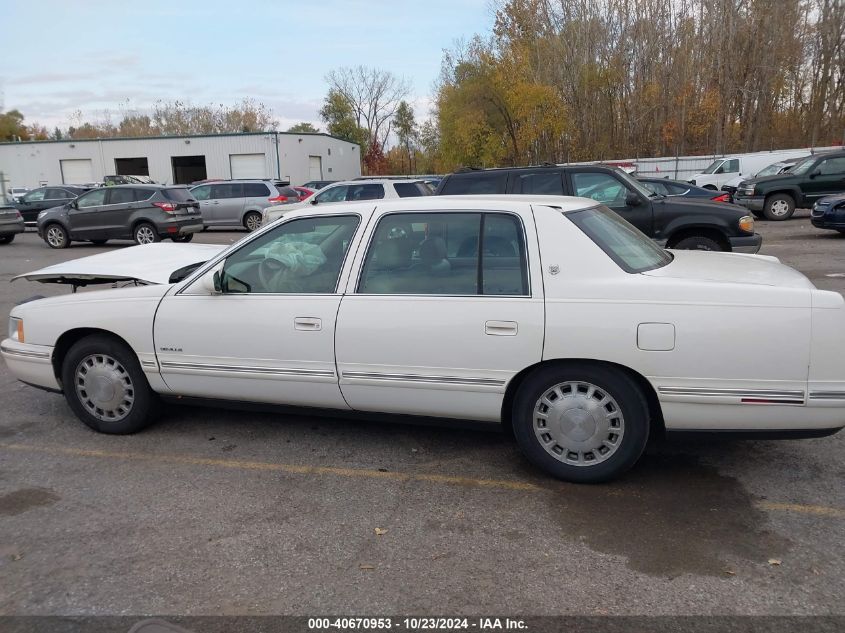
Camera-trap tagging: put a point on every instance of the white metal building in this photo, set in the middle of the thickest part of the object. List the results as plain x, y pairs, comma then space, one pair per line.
297, 158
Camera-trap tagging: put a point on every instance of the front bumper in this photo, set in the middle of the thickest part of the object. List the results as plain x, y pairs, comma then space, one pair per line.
747, 244
752, 203
31, 364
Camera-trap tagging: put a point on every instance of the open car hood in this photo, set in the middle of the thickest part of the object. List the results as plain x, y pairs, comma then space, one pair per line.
148, 264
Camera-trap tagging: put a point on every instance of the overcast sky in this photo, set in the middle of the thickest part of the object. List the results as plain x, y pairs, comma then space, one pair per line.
93, 55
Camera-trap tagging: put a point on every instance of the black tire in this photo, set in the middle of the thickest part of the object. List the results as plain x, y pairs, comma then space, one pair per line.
7, 239
630, 403
98, 242
757, 214
252, 221
183, 238
145, 233
56, 236
779, 206
145, 406
697, 243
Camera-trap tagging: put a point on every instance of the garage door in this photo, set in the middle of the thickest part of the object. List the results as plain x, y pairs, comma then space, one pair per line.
77, 171
248, 165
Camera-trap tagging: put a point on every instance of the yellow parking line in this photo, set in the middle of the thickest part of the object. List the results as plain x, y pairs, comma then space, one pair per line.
365, 473
822, 511
277, 467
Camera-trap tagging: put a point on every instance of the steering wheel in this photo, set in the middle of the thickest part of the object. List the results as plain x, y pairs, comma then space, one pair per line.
269, 270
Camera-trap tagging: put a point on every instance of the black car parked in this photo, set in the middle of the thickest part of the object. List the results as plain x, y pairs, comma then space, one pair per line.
35, 201
666, 187
144, 213
672, 222
777, 197
829, 213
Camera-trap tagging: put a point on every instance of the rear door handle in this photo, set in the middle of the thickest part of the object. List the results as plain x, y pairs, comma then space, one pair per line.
501, 328
307, 324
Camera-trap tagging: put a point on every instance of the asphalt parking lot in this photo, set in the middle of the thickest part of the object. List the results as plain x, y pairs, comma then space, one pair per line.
224, 512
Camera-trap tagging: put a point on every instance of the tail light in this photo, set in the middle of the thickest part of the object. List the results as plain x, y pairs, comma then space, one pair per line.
278, 199
167, 207
722, 198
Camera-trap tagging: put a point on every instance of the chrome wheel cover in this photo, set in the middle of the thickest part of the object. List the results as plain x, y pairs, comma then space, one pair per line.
578, 423
253, 221
144, 235
104, 387
55, 236
779, 207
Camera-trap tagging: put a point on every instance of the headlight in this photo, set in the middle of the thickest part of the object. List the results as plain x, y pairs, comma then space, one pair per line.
16, 329
747, 190
746, 223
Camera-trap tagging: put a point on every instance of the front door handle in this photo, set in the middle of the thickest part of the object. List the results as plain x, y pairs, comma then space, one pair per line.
307, 324
501, 328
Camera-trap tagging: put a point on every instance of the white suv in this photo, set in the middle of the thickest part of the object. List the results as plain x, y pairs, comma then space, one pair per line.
354, 191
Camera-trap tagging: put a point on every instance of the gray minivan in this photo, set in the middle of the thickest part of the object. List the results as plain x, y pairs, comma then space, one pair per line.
240, 202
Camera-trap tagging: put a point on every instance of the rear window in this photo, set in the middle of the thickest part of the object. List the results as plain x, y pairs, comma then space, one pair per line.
178, 194
475, 183
255, 190
623, 243
412, 189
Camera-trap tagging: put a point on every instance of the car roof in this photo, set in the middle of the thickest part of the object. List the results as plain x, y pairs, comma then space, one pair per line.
434, 204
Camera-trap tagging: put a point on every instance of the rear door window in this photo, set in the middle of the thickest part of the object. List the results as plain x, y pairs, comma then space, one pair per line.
411, 189
547, 183
56, 194
475, 183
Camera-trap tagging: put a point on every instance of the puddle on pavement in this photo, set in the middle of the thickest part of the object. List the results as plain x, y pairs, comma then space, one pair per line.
25, 499
669, 516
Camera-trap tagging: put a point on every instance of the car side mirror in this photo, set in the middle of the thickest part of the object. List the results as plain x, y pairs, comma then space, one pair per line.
314, 201
211, 280
73, 205
632, 199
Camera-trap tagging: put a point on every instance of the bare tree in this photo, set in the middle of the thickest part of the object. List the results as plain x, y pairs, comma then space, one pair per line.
373, 95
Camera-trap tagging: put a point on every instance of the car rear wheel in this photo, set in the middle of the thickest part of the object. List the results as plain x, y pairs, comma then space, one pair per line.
56, 236
252, 220
105, 387
183, 238
145, 233
697, 243
581, 422
7, 239
779, 206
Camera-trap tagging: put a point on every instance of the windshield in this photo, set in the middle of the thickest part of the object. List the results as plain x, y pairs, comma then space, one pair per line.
713, 166
771, 170
623, 243
804, 166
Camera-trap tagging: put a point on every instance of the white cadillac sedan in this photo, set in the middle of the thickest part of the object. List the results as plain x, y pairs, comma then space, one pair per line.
549, 315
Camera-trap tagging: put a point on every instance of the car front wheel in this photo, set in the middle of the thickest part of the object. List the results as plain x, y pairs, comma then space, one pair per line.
779, 206
582, 423
104, 385
56, 236
697, 243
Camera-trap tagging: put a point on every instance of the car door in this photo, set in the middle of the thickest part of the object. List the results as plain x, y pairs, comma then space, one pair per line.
227, 203
433, 325
826, 178
268, 336
202, 194
85, 217
32, 203
611, 191
116, 216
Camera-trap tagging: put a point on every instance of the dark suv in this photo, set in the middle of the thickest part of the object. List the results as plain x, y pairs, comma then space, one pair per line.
670, 221
776, 197
35, 201
144, 213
